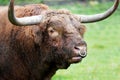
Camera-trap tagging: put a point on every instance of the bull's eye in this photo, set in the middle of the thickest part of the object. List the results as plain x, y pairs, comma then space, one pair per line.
52, 32
79, 29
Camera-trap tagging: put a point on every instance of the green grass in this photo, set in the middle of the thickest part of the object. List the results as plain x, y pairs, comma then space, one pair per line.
103, 39
21, 2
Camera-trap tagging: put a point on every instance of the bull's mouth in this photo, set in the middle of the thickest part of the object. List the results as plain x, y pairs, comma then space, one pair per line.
75, 59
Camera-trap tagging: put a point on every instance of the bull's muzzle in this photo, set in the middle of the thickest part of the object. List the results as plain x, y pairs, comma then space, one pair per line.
81, 49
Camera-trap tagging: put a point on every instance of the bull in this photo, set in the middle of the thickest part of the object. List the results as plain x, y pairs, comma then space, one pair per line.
35, 41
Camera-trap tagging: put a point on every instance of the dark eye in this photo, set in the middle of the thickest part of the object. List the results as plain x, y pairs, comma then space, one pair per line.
51, 31
79, 29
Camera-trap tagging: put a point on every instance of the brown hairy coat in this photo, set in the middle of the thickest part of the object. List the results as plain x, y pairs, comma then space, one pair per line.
36, 52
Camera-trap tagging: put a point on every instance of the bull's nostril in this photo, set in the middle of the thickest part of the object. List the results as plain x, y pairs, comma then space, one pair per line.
80, 50
83, 54
77, 48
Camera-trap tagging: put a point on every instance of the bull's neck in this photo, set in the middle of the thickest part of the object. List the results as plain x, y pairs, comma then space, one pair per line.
48, 73
31, 56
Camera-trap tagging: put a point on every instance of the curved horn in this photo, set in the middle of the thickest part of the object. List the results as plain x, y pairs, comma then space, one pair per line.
24, 21
99, 17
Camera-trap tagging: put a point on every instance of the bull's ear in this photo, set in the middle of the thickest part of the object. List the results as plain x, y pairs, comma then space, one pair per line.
82, 29
36, 34
37, 31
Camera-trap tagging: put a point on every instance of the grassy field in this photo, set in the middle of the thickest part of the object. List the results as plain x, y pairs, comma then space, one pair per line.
103, 39
21, 2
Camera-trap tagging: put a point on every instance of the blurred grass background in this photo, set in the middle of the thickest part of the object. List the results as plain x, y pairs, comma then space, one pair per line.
103, 39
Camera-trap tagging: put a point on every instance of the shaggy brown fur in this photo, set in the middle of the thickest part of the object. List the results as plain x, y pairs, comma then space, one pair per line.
36, 52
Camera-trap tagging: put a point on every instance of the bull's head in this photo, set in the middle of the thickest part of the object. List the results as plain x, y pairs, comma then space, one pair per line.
64, 32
